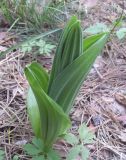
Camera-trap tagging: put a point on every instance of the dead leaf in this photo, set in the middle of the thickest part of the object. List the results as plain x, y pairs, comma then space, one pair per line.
3, 48
122, 136
21, 142
3, 35
92, 128
120, 98
122, 119
89, 3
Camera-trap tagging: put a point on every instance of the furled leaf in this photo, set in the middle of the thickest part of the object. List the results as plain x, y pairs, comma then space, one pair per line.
85, 134
65, 87
32, 105
74, 152
71, 139
69, 48
121, 33
53, 120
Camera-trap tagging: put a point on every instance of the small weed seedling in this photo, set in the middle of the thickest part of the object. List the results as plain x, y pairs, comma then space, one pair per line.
85, 136
37, 47
120, 32
15, 157
35, 150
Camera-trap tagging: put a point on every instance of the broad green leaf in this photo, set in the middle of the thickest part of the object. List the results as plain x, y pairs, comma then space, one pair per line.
85, 134
67, 49
32, 105
89, 41
121, 33
53, 120
74, 152
33, 112
65, 87
71, 139
96, 28
31, 149
85, 153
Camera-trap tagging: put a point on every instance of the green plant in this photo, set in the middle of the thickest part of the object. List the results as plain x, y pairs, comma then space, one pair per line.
31, 13
35, 150
37, 47
51, 97
2, 155
28, 41
85, 136
96, 28
120, 32
15, 157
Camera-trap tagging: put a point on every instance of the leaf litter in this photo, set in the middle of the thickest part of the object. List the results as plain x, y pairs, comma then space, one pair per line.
99, 103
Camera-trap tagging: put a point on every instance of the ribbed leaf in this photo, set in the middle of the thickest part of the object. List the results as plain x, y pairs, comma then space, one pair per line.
32, 105
89, 41
53, 120
33, 112
67, 51
66, 85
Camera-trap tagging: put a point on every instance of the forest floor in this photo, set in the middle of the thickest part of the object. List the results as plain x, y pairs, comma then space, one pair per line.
101, 102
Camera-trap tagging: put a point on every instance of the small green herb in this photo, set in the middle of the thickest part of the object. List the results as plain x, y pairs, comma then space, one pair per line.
85, 136
96, 28
35, 150
121, 33
39, 46
51, 97
15, 157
